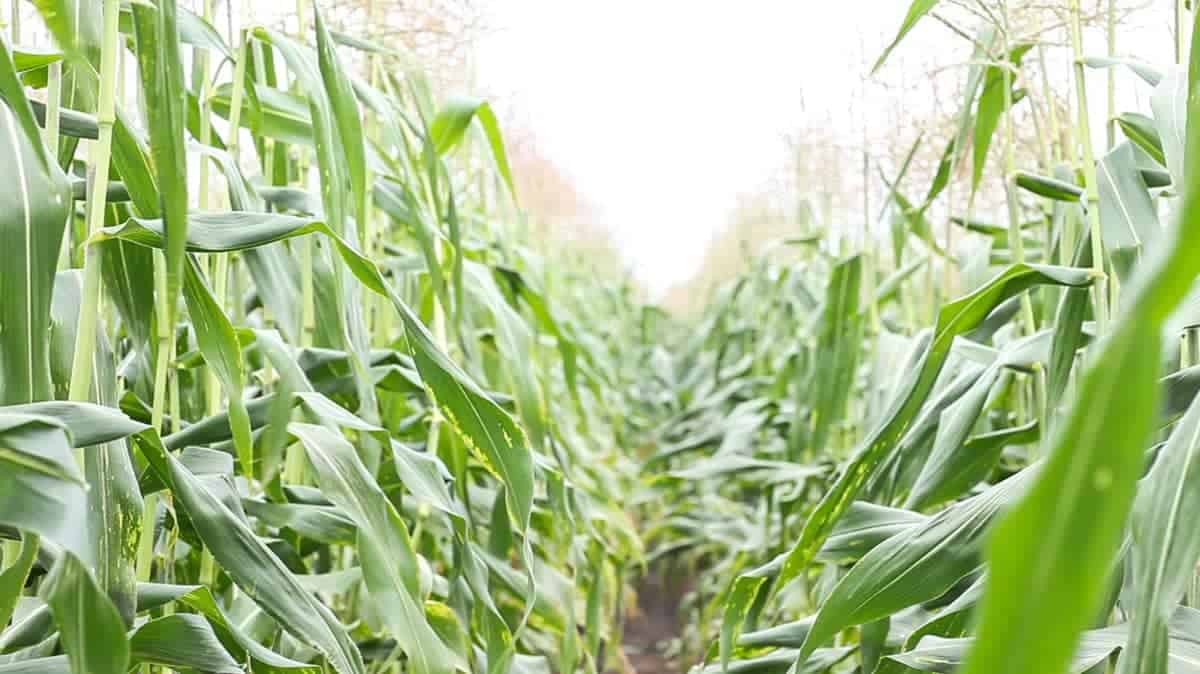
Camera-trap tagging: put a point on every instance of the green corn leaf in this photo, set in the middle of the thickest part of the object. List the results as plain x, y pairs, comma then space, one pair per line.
192, 30
166, 99
1164, 551
954, 319
91, 629
492, 434
950, 465
182, 641
1072, 517
451, 123
88, 423
737, 605
58, 664
916, 11
338, 169
248, 561
283, 116
1068, 328
514, 336
1150, 74
41, 488
991, 108
33, 218
838, 335
235, 640
72, 123
390, 564
936, 654
787, 635
1168, 102
222, 352
1128, 217
1141, 130
325, 131
917, 564
864, 526
1051, 188
12, 578
113, 494
346, 116
25, 59
320, 523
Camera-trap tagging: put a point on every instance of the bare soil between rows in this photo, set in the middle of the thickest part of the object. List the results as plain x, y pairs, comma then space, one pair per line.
651, 624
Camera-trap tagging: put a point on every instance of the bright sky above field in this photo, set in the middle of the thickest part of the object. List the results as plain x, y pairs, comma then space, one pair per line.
664, 110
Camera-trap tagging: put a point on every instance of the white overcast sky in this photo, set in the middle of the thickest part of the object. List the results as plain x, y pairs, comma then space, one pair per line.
662, 111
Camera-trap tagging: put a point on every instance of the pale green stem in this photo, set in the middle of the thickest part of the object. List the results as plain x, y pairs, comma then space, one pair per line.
1043, 136
212, 385
384, 327
439, 336
53, 108
53, 135
145, 552
165, 335
208, 569
98, 159
176, 410
260, 77
1089, 171
203, 188
439, 331
1015, 240
221, 280
1055, 129
294, 461
308, 309
236, 95
221, 260
373, 242
1045, 142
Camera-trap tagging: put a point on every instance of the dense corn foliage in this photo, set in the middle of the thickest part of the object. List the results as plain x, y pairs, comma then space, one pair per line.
283, 390
908, 458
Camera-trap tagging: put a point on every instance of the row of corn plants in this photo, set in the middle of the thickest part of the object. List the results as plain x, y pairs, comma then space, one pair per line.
982, 459
281, 387
281, 390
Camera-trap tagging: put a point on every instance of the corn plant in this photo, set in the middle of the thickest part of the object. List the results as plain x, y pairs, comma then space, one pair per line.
1000, 487
282, 389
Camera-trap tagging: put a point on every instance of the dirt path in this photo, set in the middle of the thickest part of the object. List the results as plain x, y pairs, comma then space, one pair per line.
651, 625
